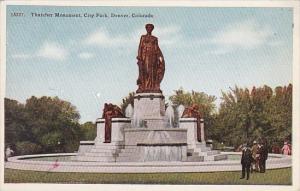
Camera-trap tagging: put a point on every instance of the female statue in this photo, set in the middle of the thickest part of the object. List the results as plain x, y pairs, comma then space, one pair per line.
151, 63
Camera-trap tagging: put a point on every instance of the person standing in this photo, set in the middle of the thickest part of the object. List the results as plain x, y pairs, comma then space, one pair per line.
246, 161
8, 153
286, 149
263, 156
255, 157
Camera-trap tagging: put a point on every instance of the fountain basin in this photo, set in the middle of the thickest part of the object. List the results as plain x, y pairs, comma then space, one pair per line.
135, 136
154, 144
37, 163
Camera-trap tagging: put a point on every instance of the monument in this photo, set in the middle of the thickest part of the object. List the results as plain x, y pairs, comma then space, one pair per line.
147, 133
151, 63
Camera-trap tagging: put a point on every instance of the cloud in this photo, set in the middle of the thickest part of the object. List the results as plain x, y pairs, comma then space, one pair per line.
53, 51
21, 56
49, 50
104, 38
275, 43
167, 35
244, 35
86, 55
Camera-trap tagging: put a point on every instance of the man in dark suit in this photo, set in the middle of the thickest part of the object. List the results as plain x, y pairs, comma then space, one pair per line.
246, 160
263, 155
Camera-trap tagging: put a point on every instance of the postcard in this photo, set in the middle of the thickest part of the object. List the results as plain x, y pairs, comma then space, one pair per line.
125, 95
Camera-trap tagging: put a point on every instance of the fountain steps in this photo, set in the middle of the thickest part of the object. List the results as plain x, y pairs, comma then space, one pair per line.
133, 158
104, 150
130, 153
125, 154
96, 158
99, 154
195, 158
215, 157
109, 147
209, 153
94, 150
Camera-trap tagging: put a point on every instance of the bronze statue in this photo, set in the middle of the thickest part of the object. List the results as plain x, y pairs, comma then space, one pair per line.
193, 112
110, 111
151, 63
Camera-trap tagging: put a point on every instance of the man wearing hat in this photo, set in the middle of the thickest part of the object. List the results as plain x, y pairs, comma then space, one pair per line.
263, 155
246, 160
255, 157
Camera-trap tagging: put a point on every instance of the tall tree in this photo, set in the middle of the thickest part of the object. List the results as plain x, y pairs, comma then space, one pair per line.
244, 115
54, 123
43, 124
16, 128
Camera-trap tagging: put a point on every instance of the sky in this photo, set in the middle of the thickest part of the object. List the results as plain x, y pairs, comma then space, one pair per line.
91, 61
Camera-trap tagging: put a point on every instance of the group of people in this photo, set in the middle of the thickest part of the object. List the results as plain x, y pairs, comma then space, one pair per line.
254, 158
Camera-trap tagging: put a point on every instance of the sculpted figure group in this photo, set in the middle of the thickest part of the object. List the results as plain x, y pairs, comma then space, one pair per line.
110, 111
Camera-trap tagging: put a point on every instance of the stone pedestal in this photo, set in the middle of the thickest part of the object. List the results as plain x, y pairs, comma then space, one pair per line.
117, 131
194, 147
149, 108
191, 125
85, 146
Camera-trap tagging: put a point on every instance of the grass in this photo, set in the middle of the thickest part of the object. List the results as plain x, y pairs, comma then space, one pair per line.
271, 177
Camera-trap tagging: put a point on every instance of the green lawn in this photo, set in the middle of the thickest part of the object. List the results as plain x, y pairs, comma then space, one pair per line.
276, 177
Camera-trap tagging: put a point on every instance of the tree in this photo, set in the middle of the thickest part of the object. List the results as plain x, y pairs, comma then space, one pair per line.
280, 112
16, 128
47, 122
88, 131
52, 119
245, 116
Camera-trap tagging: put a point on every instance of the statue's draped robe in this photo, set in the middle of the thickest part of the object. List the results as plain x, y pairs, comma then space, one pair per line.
107, 131
151, 65
110, 111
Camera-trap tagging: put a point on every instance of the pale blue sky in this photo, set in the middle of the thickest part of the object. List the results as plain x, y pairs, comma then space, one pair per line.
90, 61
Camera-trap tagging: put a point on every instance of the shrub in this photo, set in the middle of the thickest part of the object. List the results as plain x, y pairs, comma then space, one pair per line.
27, 148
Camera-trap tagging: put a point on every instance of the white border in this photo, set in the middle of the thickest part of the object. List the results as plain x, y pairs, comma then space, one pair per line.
296, 98
2, 87
156, 3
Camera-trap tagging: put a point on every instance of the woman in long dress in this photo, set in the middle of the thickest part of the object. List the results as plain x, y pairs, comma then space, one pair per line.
151, 63
286, 149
